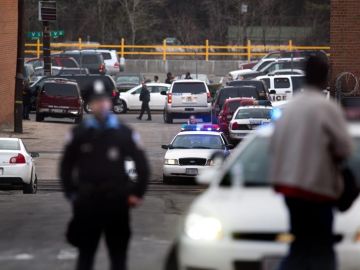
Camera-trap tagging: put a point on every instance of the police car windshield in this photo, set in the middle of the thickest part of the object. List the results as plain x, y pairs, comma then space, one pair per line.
261, 113
254, 164
197, 141
60, 89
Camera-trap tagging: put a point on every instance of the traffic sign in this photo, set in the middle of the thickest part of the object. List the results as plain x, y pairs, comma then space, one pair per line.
47, 11
53, 34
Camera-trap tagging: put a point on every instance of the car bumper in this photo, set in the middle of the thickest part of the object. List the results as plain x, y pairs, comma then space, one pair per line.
15, 174
239, 135
234, 255
66, 113
180, 171
188, 110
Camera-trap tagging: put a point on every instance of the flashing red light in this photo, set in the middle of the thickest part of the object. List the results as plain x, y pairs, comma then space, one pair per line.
19, 159
235, 126
113, 93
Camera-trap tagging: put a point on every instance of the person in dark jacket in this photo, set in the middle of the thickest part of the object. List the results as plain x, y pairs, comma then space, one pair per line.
94, 179
169, 78
188, 76
145, 99
26, 100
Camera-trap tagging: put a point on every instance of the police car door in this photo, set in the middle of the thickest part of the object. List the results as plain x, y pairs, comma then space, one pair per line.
282, 87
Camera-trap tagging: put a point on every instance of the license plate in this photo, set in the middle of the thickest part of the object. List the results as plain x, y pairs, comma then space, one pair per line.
1, 171
271, 263
191, 171
57, 110
189, 109
255, 122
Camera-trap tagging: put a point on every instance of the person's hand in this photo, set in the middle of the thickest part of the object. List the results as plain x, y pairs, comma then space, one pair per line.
134, 201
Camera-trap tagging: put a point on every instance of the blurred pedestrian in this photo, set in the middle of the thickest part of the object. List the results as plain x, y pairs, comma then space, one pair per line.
93, 174
169, 78
156, 79
310, 141
145, 99
26, 100
188, 76
192, 120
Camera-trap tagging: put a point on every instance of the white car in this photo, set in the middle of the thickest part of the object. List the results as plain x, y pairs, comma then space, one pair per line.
17, 167
190, 152
240, 222
129, 100
111, 60
246, 119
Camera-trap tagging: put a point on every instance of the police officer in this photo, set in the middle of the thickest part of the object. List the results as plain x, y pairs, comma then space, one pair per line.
93, 174
145, 99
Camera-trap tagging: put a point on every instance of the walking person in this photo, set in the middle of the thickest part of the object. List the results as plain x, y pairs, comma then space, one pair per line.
93, 175
309, 143
145, 99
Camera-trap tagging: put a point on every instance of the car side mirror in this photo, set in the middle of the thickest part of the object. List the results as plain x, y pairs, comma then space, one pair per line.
230, 146
272, 92
163, 93
34, 155
165, 146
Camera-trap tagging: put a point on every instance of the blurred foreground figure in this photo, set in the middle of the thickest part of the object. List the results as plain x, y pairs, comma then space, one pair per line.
95, 181
308, 146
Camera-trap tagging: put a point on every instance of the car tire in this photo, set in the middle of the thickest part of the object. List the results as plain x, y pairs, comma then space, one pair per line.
167, 180
78, 119
87, 108
39, 117
168, 118
120, 107
31, 188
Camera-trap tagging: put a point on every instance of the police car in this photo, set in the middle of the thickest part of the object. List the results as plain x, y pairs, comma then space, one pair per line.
246, 119
190, 151
240, 222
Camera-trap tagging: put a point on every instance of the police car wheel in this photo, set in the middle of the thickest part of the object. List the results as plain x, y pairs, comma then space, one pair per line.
120, 107
39, 117
168, 118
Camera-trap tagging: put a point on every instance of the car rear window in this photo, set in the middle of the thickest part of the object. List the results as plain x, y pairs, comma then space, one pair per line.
227, 93
298, 83
253, 113
61, 89
9, 145
233, 106
90, 59
106, 56
281, 83
193, 88
69, 63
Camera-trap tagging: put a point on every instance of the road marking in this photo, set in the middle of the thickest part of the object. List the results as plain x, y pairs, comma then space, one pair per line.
156, 241
67, 254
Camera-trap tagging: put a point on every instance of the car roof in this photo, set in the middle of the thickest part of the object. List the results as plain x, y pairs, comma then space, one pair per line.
279, 75
60, 81
9, 139
255, 107
200, 133
188, 81
237, 99
128, 74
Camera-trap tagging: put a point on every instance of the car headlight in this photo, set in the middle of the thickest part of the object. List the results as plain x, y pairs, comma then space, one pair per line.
198, 227
171, 162
210, 162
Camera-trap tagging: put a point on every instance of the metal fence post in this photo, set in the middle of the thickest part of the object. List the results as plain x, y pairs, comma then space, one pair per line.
207, 50
38, 48
249, 50
80, 44
290, 45
122, 49
164, 50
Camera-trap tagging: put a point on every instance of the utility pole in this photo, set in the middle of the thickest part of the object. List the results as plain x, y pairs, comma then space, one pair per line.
19, 82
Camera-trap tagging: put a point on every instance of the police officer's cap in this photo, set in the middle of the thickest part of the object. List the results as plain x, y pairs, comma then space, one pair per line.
97, 90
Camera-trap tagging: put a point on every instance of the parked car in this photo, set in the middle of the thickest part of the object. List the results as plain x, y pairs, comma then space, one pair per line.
129, 100
185, 98
233, 75
111, 60
229, 108
93, 61
17, 166
127, 81
67, 71
56, 61
258, 84
249, 91
59, 98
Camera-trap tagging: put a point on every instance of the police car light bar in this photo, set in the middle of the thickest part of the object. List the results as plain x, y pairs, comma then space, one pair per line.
197, 127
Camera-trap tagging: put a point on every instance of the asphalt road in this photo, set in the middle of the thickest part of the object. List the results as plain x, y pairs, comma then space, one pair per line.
32, 226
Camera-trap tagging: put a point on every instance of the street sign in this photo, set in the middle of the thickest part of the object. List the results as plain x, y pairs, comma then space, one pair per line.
47, 11
53, 34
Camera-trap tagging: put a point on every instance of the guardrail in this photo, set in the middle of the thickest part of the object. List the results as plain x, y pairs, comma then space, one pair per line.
206, 51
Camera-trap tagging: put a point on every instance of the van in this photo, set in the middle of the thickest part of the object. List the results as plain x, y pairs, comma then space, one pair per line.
93, 61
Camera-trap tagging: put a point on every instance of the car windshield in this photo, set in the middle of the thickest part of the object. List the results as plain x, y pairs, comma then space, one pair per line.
60, 89
253, 113
193, 88
197, 141
253, 164
128, 80
9, 145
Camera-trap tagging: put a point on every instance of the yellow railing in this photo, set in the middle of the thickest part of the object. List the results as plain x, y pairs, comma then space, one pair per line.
249, 51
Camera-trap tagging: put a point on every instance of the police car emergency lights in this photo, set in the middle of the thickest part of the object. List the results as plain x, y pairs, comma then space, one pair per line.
197, 127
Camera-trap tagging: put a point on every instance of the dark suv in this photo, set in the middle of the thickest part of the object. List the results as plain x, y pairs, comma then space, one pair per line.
91, 60
59, 98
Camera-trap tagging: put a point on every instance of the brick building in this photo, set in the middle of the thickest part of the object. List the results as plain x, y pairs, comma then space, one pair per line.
344, 36
8, 48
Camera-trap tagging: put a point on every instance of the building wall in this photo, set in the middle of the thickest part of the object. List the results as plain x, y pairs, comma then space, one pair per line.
344, 35
8, 49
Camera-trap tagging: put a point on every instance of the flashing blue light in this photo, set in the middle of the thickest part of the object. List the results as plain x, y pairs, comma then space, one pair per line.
276, 113
204, 127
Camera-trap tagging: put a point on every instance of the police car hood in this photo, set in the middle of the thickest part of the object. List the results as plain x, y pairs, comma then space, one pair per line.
190, 153
260, 209
236, 73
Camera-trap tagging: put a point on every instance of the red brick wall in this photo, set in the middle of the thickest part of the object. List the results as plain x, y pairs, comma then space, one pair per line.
8, 47
345, 36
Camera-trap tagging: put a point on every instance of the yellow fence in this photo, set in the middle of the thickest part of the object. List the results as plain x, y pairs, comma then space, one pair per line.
206, 51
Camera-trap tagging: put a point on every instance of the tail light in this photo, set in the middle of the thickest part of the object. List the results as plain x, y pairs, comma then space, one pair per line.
19, 159
208, 97
114, 93
116, 65
235, 126
169, 99
102, 68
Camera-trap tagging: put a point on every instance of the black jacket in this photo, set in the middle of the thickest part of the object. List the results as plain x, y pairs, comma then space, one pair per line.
94, 162
144, 95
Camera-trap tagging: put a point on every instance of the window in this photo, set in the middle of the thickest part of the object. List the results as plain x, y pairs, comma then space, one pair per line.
128, 80
263, 65
154, 89
67, 62
61, 89
90, 59
298, 83
193, 88
227, 93
197, 141
106, 56
280, 83
9, 145
253, 113
267, 82
137, 91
